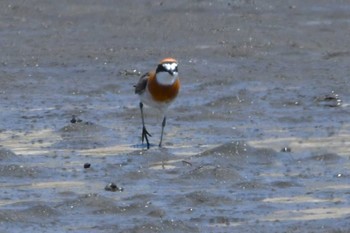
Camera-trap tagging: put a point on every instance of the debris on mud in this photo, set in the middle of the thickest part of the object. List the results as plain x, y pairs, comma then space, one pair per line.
112, 187
329, 100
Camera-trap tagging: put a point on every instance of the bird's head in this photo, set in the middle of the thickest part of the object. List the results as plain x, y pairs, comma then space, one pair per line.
168, 65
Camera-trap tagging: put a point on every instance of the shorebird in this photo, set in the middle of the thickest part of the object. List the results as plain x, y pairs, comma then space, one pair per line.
158, 89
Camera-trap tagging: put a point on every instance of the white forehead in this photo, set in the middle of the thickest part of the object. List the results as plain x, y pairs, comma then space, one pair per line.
170, 66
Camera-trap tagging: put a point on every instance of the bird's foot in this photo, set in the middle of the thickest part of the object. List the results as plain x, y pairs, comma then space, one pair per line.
145, 135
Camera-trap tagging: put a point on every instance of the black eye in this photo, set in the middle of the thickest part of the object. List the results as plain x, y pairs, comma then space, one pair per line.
160, 68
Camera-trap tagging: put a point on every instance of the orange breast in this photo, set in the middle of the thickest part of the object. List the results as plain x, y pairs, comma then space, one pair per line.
163, 93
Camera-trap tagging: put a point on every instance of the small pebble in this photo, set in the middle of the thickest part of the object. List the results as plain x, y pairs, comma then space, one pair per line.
286, 149
112, 187
75, 120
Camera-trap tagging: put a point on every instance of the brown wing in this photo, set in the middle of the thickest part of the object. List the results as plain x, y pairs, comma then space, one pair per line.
140, 87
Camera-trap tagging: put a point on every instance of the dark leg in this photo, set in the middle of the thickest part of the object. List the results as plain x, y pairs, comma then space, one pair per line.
161, 136
144, 130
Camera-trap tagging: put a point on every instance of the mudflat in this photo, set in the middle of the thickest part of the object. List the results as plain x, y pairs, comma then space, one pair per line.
257, 140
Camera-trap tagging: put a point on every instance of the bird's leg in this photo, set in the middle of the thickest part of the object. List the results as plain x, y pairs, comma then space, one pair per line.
144, 130
161, 136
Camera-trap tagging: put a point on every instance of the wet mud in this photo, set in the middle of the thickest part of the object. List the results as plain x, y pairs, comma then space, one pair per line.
256, 142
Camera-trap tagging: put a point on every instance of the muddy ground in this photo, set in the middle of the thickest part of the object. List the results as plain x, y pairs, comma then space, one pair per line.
256, 142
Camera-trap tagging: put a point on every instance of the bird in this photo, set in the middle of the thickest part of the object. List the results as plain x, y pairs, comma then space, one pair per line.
158, 89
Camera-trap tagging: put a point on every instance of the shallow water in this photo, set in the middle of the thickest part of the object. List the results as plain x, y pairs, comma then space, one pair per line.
256, 142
